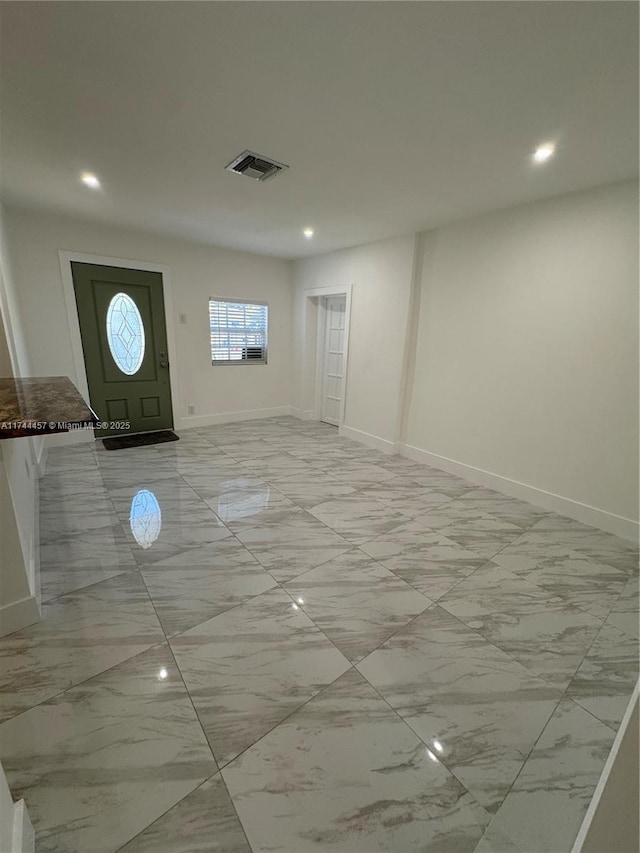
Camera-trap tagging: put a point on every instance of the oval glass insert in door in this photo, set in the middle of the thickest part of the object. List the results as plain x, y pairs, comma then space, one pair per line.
125, 333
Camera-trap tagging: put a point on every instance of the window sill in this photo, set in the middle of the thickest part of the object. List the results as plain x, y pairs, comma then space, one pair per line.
238, 363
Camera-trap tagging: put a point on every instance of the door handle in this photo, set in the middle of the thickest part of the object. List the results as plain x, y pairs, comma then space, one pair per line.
163, 360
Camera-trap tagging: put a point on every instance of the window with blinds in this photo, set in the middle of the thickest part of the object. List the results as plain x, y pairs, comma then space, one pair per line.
238, 332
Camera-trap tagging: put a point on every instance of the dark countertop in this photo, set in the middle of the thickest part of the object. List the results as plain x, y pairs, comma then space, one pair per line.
41, 405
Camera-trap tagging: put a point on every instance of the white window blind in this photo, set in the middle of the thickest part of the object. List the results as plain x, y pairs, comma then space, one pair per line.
238, 332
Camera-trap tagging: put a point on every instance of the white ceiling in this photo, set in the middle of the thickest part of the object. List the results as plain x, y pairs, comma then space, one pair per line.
393, 117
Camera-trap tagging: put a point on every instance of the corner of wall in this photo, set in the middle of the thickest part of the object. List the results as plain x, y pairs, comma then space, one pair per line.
411, 339
625, 528
373, 441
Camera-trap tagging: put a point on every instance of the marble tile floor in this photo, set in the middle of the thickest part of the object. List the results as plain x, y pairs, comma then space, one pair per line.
265, 637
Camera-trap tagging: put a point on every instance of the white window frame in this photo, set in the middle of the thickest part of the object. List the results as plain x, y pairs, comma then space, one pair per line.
240, 361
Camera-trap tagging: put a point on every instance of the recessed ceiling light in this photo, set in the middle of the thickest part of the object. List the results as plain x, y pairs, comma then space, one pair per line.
544, 152
308, 233
90, 180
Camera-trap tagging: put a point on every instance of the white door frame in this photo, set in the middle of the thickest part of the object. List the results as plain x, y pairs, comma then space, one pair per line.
312, 295
65, 259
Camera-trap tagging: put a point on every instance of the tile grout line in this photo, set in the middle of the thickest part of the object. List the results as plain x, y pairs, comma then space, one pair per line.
84, 680
422, 740
354, 666
202, 729
546, 726
181, 800
427, 745
557, 705
288, 716
436, 604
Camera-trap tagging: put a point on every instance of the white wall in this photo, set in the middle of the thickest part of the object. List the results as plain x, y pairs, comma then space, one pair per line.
196, 271
18, 473
526, 362
380, 274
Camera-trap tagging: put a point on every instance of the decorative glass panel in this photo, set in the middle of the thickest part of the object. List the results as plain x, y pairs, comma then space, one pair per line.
145, 518
125, 333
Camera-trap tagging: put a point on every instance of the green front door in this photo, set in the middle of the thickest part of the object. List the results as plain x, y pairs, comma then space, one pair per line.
124, 339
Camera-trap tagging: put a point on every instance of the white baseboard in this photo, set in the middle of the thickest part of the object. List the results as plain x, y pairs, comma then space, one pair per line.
370, 440
74, 436
302, 414
233, 417
33, 563
24, 838
18, 614
41, 459
16, 830
626, 528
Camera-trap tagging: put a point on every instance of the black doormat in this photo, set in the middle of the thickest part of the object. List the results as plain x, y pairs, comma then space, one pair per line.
121, 442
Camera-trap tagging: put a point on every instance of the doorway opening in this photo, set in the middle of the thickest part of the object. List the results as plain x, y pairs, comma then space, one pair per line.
333, 338
323, 370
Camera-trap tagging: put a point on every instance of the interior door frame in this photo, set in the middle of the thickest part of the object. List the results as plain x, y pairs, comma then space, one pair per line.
314, 302
66, 258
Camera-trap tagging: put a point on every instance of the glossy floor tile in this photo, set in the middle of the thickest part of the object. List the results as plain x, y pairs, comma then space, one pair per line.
268, 637
310, 491
603, 682
356, 602
470, 527
344, 773
496, 840
357, 519
81, 634
406, 497
100, 762
249, 668
427, 560
546, 805
507, 509
205, 821
547, 634
74, 560
591, 585
297, 543
196, 586
475, 707
624, 613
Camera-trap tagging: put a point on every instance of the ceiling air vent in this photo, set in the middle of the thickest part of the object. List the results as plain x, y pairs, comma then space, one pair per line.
255, 166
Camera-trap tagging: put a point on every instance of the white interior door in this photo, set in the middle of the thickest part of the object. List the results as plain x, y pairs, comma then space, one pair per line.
333, 368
